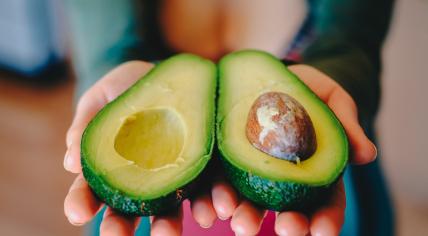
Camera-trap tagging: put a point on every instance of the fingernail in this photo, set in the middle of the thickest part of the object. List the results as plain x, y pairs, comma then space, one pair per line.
205, 226
74, 219
221, 212
78, 183
68, 142
66, 161
375, 148
239, 230
105, 213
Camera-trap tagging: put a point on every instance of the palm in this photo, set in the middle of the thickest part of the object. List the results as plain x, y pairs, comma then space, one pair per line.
81, 205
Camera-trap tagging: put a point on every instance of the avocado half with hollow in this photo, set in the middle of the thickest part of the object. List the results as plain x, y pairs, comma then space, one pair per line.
255, 87
143, 152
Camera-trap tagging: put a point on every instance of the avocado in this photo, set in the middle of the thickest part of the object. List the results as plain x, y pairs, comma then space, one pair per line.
256, 87
143, 153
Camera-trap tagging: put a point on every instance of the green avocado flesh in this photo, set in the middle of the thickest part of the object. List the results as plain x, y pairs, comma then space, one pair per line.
268, 181
143, 152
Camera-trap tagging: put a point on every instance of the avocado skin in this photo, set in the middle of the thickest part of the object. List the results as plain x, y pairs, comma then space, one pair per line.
275, 195
131, 206
264, 192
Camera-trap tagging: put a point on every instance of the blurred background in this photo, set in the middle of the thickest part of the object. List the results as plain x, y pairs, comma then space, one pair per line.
36, 107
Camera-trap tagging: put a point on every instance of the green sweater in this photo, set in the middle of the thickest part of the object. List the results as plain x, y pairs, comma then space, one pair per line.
350, 34
347, 45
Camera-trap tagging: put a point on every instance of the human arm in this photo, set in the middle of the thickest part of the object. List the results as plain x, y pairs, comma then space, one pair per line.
80, 204
104, 34
347, 46
346, 49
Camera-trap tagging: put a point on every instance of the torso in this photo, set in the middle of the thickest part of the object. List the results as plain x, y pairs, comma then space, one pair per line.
212, 28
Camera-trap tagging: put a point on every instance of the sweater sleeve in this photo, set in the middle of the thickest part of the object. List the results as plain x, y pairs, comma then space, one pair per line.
102, 32
349, 36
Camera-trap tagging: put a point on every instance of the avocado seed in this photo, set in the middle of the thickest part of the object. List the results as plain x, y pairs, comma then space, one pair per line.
278, 125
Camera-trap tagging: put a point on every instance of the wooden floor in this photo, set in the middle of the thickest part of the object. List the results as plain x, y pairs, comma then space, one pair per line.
33, 183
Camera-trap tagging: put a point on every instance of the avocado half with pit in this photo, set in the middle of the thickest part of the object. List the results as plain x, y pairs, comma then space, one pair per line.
143, 152
255, 87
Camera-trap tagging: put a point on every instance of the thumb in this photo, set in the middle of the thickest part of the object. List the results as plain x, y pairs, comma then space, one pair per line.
363, 151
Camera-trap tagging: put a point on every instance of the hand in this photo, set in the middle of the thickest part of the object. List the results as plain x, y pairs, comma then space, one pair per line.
328, 220
80, 204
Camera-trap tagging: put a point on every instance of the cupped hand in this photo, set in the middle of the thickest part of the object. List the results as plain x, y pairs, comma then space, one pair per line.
327, 220
81, 205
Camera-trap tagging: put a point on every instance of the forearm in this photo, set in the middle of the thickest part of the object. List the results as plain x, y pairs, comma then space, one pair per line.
352, 68
348, 45
104, 34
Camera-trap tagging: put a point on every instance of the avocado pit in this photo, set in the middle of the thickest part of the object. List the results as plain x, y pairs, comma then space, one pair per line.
279, 126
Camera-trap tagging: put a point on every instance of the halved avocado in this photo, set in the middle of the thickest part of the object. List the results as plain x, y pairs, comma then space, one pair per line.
143, 152
274, 183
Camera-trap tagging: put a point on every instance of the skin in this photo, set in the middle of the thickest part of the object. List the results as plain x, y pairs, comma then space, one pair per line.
222, 202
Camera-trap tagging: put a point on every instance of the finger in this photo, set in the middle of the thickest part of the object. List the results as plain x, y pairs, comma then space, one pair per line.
342, 104
317, 81
247, 219
329, 220
363, 150
80, 204
291, 224
203, 211
122, 77
89, 104
114, 224
225, 199
104, 91
168, 225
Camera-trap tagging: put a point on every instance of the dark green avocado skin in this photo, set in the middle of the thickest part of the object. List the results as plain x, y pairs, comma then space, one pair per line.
269, 193
128, 205
274, 195
131, 205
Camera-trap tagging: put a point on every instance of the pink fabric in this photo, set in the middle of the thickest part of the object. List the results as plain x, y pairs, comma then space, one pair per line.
221, 228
